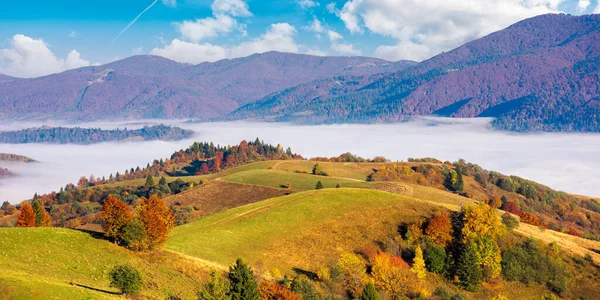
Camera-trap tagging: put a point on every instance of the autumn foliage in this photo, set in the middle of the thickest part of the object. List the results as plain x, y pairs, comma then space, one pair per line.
157, 219
392, 274
116, 215
439, 229
273, 291
27, 216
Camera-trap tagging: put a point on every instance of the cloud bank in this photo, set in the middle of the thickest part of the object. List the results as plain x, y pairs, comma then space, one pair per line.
562, 161
28, 57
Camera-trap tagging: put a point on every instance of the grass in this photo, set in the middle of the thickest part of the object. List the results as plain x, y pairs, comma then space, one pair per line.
52, 258
296, 231
299, 182
358, 171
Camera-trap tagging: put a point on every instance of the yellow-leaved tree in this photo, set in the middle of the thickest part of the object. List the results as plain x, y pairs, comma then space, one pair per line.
355, 273
418, 266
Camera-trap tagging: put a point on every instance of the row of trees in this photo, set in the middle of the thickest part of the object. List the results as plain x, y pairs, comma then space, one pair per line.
148, 228
34, 214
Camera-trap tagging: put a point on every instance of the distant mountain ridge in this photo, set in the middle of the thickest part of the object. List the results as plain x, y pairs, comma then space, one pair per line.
539, 74
155, 87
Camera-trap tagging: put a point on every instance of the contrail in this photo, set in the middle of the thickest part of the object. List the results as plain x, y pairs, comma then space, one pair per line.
133, 22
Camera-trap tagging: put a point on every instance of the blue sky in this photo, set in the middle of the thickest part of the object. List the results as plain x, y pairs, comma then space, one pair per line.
70, 33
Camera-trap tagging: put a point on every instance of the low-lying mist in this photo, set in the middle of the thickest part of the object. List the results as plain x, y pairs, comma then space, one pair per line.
563, 161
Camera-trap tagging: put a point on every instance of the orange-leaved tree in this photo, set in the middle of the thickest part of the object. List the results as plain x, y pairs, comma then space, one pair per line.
27, 216
116, 214
157, 218
392, 274
439, 229
272, 291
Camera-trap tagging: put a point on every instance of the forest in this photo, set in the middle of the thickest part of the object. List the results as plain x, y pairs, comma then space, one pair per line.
86, 136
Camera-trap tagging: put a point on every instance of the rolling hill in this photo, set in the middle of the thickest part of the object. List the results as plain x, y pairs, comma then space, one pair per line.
539, 74
155, 87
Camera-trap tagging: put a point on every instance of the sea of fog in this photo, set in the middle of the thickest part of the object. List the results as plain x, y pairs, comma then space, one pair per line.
569, 162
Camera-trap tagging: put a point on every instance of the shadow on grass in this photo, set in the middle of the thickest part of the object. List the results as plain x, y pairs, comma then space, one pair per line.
94, 234
309, 274
94, 289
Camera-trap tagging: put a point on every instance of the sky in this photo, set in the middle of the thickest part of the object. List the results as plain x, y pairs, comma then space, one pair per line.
43, 37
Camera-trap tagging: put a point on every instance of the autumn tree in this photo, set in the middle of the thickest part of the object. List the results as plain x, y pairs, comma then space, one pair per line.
355, 273
27, 216
490, 258
495, 202
243, 284
115, 215
418, 266
272, 291
218, 161
393, 275
216, 288
480, 221
317, 169
157, 218
439, 229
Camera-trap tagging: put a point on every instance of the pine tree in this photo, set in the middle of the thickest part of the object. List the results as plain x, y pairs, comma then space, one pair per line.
468, 267
27, 216
162, 181
215, 289
149, 181
38, 209
243, 283
418, 266
319, 186
460, 185
369, 293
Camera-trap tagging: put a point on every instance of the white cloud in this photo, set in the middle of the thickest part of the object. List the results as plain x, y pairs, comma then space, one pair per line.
29, 57
597, 10
306, 4
316, 52
192, 53
72, 34
334, 36
316, 26
331, 8
171, 3
235, 8
279, 37
200, 29
137, 51
436, 25
345, 49
582, 5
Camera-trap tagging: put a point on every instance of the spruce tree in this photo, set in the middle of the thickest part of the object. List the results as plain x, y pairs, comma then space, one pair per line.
149, 181
243, 283
319, 186
162, 181
460, 185
369, 293
215, 289
468, 267
38, 208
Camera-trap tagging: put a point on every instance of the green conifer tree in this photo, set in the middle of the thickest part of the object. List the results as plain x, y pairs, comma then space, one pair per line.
243, 283
369, 293
149, 181
38, 208
468, 267
162, 181
215, 289
319, 186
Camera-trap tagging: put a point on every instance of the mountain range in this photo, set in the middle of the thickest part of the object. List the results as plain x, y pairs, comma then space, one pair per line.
541, 74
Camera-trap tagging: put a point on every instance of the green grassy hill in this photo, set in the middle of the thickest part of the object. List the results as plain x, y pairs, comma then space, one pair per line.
297, 231
45, 263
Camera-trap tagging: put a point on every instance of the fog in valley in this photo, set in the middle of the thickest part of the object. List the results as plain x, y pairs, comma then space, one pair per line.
568, 162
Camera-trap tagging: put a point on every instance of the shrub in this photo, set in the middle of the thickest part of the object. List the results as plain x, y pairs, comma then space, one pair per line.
134, 236
319, 186
369, 293
509, 221
273, 291
126, 278
305, 288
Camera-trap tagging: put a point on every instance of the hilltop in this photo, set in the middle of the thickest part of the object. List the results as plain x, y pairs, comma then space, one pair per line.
15, 158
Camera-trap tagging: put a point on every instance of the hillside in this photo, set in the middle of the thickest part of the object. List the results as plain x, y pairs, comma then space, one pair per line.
155, 87
5, 78
538, 74
86, 136
54, 263
15, 158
